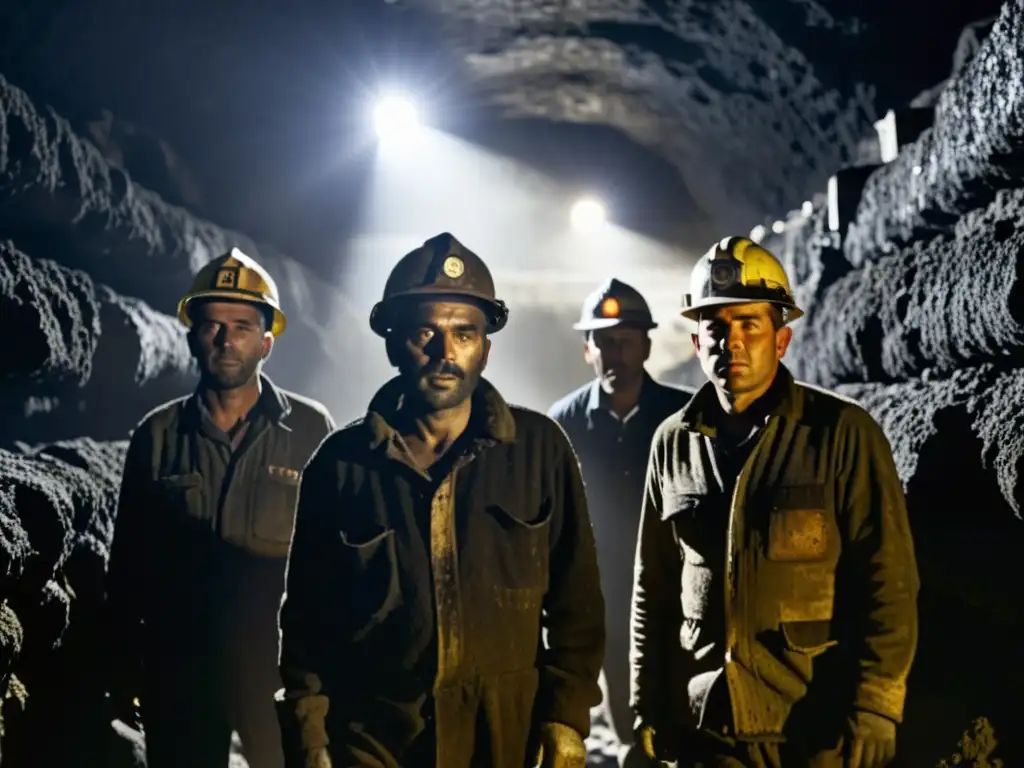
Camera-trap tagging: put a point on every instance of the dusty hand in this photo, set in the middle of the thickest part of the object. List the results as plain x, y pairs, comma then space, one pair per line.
872, 741
318, 757
561, 747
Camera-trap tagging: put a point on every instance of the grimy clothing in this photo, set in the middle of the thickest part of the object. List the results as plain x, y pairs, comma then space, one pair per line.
613, 455
416, 600
197, 571
790, 600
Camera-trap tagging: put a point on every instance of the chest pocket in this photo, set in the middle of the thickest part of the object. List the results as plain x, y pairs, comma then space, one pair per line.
520, 547
803, 546
183, 495
798, 525
274, 508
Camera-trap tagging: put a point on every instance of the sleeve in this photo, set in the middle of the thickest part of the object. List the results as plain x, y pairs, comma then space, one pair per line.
308, 608
125, 582
878, 568
657, 611
573, 615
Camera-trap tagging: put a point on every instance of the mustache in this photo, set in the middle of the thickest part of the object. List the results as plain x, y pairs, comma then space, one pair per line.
444, 368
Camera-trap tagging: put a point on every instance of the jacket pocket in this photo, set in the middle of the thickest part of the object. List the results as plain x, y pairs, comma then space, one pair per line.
808, 638
274, 510
521, 548
183, 495
798, 526
370, 574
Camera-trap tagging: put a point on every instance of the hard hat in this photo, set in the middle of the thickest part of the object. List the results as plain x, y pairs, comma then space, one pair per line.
738, 271
237, 277
614, 303
441, 267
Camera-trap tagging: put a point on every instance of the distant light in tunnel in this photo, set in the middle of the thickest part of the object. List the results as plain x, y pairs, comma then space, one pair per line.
757, 233
395, 117
588, 214
807, 208
779, 227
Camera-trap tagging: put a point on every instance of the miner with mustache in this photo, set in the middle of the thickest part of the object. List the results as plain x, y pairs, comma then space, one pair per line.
774, 605
201, 538
443, 606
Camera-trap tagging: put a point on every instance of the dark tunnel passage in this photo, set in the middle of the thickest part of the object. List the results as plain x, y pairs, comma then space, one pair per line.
876, 148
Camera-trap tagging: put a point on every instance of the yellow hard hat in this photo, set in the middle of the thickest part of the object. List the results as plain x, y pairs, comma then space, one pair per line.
737, 270
237, 277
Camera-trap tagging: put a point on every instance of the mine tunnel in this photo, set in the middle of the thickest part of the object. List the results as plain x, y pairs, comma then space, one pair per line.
876, 148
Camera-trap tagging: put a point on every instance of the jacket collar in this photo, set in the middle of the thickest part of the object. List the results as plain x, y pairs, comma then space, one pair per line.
783, 398
598, 399
492, 419
273, 404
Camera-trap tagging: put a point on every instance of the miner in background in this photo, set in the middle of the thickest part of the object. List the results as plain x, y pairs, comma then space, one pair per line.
201, 539
435, 538
610, 422
776, 582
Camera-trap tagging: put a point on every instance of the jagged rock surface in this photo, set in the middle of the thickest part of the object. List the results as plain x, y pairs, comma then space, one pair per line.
935, 305
82, 344
972, 150
55, 186
694, 80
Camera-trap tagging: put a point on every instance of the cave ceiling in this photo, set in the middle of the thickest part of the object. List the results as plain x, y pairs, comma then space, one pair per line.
733, 111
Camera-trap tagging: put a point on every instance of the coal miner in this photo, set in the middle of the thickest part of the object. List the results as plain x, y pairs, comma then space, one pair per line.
201, 539
775, 615
443, 604
610, 422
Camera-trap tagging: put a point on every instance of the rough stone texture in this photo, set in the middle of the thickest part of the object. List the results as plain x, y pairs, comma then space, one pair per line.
972, 150
79, 345
935, 305
60, 499
695, 80
64, 314
57, 187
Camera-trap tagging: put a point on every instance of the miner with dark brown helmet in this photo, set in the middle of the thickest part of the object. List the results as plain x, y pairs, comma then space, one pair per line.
774, 607
443, 605
610, 421
201, 536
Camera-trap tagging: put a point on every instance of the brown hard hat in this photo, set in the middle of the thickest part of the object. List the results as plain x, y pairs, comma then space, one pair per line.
235, 277
614, 303
441, 267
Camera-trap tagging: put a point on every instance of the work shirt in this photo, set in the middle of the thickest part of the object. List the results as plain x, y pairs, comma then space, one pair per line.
194, 513
416, 599
794, 581
613, 453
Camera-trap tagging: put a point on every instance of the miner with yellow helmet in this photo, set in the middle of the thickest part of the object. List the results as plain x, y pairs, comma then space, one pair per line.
443, 600
610, 421
202, 532
775, 571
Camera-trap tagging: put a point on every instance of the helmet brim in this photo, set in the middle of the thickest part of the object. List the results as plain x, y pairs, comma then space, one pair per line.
793, 312
600, 323
277, 326
382, 315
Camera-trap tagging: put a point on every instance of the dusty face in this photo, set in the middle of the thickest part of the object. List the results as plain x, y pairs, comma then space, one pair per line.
617, 355
442, 351
739, 348
229, 340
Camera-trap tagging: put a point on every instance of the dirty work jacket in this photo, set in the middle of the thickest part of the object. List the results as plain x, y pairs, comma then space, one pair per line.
808, 567
185, 494
415, 599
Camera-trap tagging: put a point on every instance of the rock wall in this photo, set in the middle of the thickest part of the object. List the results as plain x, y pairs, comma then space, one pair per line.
91, 267
916, 309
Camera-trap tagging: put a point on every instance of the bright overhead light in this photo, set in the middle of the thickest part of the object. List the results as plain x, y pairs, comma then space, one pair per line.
779, 227
588, 214
395, 117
